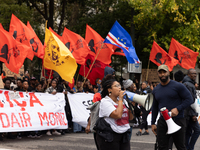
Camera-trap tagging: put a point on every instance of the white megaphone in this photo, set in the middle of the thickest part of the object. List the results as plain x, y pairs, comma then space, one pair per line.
172, 126
145, 100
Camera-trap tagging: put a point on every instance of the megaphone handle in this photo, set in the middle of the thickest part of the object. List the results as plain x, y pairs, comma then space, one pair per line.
170, 113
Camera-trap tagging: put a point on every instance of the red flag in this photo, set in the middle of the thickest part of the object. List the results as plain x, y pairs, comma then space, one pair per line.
56, 34
1, 27
71, 85
22, 34
46, 73
76, 44
186, 57
118, 51
95, 42
97, 70
159, 56
37, 46
13, 53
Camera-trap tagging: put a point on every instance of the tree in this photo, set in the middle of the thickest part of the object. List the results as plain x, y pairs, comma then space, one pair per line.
73, 14
160, 20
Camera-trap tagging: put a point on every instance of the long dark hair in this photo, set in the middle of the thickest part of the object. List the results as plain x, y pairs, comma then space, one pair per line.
106, 83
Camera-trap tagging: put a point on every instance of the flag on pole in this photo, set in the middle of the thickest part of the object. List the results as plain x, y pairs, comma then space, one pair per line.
95, 42
76, 44
159, 56
186, 57
12, 52
22, 34
97, 70
58, 57
118, 36
36, 44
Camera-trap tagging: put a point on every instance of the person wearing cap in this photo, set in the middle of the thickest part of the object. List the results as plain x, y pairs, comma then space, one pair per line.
175, 97
129, 86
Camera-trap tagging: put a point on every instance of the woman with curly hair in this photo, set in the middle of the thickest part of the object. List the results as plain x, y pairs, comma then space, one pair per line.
115, 115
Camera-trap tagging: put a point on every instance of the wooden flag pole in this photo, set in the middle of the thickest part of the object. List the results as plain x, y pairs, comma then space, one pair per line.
41, 73
49, 78
84, 71
93, 63
147, 70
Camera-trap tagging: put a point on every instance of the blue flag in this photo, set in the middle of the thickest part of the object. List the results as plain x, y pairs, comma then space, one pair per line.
118, 36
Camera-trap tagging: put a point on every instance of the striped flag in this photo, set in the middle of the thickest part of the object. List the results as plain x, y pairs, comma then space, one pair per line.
118, 36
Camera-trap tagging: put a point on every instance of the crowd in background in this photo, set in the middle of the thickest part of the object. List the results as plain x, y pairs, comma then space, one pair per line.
52, 86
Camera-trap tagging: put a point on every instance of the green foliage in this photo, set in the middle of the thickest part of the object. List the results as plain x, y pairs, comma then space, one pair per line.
7, 8
145, 20
160, 20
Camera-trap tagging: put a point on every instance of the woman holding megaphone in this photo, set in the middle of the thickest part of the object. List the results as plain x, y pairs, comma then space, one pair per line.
113, 126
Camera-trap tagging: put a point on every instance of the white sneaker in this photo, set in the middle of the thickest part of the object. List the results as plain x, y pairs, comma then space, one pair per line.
56, 133
48, 133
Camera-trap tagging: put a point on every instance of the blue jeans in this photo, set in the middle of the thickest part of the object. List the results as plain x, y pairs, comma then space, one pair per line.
192, 134
76, 127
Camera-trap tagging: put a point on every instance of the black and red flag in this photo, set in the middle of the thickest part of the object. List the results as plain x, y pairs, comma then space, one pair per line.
159, 56
36, 44
12, 52
186, 57
97, 70
22, 34
47, 72
76, 44
95, 42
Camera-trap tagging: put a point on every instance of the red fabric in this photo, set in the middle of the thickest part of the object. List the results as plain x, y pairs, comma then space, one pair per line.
56, 34
37, 45
97, 97
13, 53
76, 44
22, 34
97, 70
1, 27
47, 73
95, 41
160, 56
2, 76
186, 57
118, 51
71, 85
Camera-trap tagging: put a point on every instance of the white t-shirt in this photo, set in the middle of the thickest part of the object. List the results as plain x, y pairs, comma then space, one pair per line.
107, 106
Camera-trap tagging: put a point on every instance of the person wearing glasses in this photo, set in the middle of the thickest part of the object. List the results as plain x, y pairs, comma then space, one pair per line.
116, 116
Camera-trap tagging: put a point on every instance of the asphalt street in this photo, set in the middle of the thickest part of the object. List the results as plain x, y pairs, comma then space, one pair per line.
75, 141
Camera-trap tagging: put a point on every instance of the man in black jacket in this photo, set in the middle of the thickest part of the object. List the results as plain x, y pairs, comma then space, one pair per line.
192, 125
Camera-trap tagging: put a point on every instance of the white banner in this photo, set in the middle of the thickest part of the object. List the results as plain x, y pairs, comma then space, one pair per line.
78, 104
21, 111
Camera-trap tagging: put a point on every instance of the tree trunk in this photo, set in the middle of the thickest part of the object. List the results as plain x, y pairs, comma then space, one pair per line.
51, 13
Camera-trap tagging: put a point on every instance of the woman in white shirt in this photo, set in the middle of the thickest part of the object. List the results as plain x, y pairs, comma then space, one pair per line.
115, 113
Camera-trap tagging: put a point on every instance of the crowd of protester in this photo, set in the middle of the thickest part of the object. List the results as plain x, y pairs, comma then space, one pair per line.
52, 86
